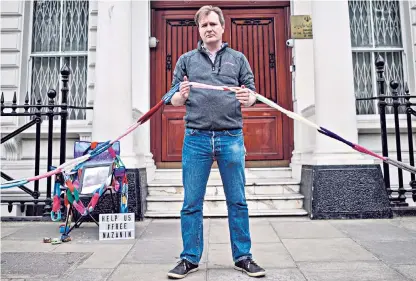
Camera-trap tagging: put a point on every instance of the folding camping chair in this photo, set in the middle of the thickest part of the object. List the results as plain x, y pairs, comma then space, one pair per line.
101, 174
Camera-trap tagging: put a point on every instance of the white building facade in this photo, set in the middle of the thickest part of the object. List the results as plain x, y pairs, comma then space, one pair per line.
117, 68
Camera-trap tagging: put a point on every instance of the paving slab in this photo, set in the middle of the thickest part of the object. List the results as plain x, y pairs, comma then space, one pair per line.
39, 265
104, 256
223, 221
26, 246
80, 274
155, 251
407, 223
349, 271
219, 233
306, 229
77, 275
335, 249
6, 231
162, 229
266, 254
272, 255
374, 230
291, 274
407, 270
393, 252
90, 274
17, 224
261, 231
292, 248
289, 218
35, 232
219, 256
167, 229
150, 272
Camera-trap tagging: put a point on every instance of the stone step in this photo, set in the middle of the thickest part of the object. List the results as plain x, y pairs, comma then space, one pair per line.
218, 182
214, 187
269, 192
252, 213
251, 173
217, 203
211, 190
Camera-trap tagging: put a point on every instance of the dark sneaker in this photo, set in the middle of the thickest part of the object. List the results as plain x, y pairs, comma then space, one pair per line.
250, 267
183, 268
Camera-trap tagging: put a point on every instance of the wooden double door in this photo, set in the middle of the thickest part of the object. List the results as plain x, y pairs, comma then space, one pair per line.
258, 32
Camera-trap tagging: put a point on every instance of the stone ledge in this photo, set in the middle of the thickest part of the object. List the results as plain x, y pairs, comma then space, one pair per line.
344, 192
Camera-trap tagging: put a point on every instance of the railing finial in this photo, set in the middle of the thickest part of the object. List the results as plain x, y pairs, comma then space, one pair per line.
394, 84
380, 63
51, 94
65, 70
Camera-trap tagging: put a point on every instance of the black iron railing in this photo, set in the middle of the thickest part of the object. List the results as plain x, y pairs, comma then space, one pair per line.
38, 112
400, 102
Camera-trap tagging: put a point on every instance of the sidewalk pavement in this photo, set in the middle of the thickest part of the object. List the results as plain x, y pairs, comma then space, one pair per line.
289, 248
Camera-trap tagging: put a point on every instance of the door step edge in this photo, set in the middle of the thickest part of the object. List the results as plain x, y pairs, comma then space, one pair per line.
272, 213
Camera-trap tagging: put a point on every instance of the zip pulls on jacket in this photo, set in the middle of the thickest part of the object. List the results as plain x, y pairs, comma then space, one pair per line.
219, 65
219, 54
208, 57
215, 60
203, 50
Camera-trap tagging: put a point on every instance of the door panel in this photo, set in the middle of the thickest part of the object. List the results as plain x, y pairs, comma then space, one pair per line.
178, 34
263, 134
254, 36
173, 127
260, 35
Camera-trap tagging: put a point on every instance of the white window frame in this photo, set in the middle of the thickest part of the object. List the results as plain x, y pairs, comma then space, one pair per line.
75, 126
370, 123
407, 61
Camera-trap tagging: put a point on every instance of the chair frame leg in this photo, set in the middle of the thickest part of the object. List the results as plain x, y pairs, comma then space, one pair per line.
80, 220
112, 200
68, 214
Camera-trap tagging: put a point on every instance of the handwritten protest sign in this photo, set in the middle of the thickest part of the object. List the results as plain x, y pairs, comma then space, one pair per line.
116, 226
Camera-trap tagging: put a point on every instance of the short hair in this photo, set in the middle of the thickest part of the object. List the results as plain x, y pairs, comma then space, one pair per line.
205, 10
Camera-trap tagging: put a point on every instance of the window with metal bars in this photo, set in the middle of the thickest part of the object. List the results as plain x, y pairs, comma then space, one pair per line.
59, 37
375, 28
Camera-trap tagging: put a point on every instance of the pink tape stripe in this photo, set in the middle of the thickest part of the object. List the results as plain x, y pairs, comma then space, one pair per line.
48, 174
365, 150
132, 128
211, 87
205, 86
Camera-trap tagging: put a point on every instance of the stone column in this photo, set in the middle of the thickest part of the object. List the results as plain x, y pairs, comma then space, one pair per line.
113, 95
141, 81
338, 184
334, 84
303, 90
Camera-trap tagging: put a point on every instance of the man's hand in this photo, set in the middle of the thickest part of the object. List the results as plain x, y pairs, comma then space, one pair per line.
184, 88
244, 97
179, 98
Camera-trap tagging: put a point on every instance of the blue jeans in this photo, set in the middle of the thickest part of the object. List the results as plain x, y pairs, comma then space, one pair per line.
200, 149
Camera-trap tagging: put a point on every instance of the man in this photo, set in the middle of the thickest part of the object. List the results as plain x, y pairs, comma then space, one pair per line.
213, 131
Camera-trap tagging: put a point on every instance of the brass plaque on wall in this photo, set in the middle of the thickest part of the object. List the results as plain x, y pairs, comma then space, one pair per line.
301, 27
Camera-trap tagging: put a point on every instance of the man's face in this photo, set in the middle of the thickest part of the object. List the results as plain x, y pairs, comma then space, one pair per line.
210, 28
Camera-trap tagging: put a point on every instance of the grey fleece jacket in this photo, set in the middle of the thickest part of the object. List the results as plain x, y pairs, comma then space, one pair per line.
213, 109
